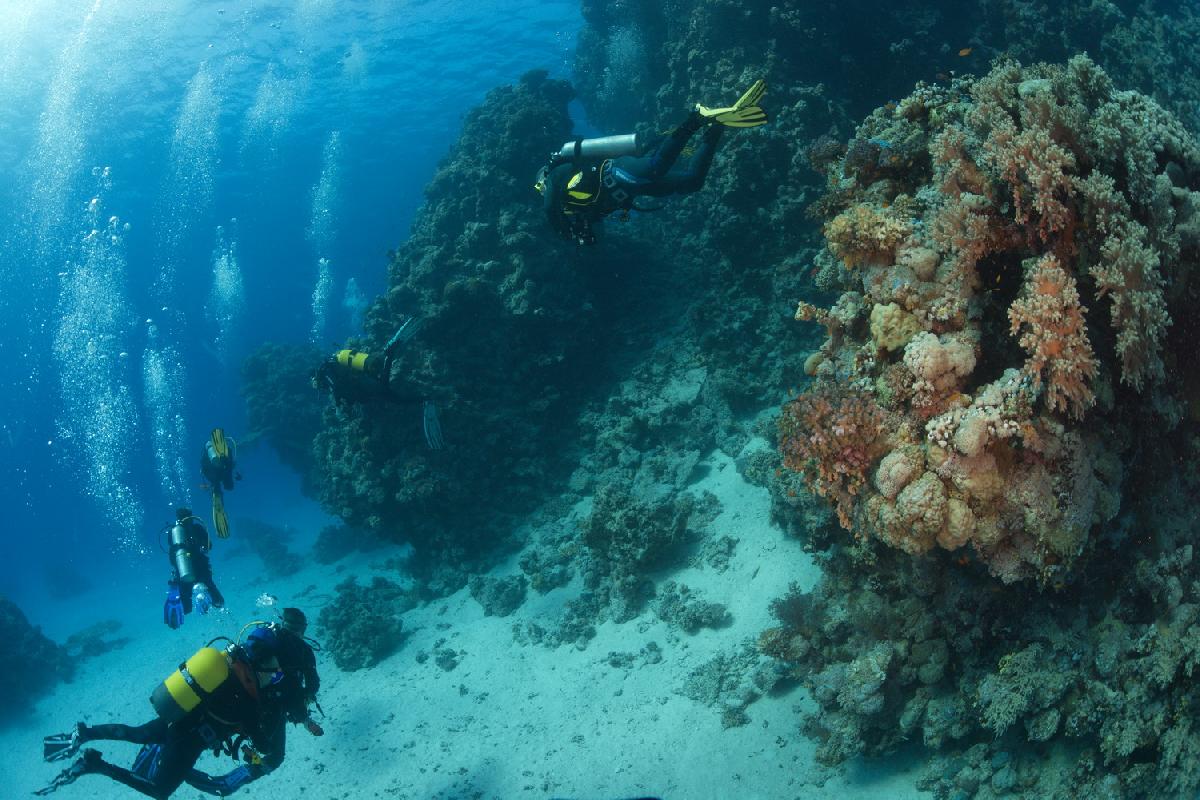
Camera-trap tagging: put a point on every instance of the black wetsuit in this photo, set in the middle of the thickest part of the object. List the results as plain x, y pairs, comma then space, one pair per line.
351, 376
613, 184
198, 544
286, 701
233, 709
301, 682
217, 471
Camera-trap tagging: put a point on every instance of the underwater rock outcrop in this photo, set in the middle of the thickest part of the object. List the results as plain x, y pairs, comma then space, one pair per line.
335, 542
270, 543
505, 349
36, 666
499, 597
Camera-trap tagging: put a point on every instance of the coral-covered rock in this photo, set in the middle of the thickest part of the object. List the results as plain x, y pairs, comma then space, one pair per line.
38, 664
363, 626
1038, 186
498, 596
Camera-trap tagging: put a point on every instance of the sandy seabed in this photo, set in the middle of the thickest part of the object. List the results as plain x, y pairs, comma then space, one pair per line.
510, 720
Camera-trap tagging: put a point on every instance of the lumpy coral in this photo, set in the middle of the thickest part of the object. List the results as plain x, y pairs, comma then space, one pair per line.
363, 626
1002, 295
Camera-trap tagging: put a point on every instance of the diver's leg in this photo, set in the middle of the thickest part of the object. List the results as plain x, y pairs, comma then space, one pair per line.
99, 766
272, 742
160, 778
691, 177
665, 156
153, 731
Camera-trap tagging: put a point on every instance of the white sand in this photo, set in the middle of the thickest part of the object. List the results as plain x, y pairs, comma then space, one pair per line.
510, 721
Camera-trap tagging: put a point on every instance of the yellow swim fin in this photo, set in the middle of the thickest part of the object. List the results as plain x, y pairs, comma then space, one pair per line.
220, 521
220, 446
745, 113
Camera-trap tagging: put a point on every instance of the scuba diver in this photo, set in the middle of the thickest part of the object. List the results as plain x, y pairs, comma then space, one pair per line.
285, 700
588, 179
352, 376
218, 466
298, 660
217, 700
191, 584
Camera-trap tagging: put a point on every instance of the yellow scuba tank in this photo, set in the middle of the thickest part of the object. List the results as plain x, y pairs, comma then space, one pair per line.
354, 359
191, 684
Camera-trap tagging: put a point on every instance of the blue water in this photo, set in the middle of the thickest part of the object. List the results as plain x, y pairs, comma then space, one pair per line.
259, 158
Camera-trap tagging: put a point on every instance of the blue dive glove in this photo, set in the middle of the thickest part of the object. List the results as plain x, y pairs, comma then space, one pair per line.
173, 608
221, 785
201, 599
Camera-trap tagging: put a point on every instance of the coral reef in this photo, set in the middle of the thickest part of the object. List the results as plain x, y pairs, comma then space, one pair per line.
924, 651
732, 681
38, 664
1018, 590
506, 348
627, 539
960, 385
677, 606
362, 626
499, 597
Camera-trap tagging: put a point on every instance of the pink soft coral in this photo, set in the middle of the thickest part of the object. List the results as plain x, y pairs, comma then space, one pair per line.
1050, 322
831, 436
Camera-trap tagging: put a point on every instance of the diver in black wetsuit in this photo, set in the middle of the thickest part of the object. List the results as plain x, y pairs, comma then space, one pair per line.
191, 583
589, 179
355, 377
236, 707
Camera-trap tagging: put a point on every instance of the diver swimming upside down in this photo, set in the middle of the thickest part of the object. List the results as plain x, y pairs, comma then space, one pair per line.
588, 179
355, 377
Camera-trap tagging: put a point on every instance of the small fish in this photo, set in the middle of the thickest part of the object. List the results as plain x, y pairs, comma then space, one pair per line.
966, 51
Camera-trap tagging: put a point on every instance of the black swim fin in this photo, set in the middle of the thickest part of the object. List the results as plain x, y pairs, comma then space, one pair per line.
61, 746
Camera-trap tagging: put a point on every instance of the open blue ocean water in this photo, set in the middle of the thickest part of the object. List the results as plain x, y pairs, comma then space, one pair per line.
180, 183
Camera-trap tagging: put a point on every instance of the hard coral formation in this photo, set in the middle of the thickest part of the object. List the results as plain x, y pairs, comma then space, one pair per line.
363, 626
499, 597
985, 675
627, 539
42, 663
1036, 185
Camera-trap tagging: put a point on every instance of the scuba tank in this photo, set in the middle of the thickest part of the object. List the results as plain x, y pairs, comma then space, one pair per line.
181, 557
602, 147
191, 684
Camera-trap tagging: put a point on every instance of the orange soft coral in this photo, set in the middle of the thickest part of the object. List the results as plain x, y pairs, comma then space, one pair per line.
831, 436
1049, 320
